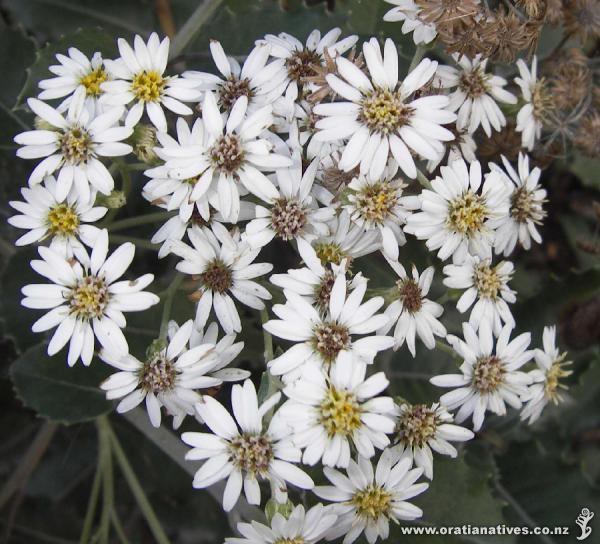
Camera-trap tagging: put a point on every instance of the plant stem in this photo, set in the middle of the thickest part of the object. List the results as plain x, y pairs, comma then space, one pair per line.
29, 462
168, 304
118, 527
146, 219
108, 495
135, 486
92, 503
418, 56
267, 338
422, 179
125, 178
442, 346
192, 26
165, 17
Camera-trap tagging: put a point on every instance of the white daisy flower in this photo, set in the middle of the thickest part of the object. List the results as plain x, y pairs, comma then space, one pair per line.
327, 339
407, 11
378, 204
379, 119
325, 414
300, 527
138, 76
73, 145
490, 376
223, 266
295, 214
475, 95
299, 58
538, 102
226, 158
241, 450
458, 215
486, 287
169, 376
421, 429
255, 79
313, 282
526, 212
65, 223
346, 241
412, 313
366, 500
74, 72
87, 301
546, 377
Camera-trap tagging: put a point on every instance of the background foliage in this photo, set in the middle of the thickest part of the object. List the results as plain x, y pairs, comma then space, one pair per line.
511, 474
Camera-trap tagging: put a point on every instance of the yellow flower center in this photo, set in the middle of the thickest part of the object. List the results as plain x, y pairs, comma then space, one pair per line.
376, 202
340, 412
556, 372
467, 214
541, 100
383, 111
76, 145
329, 253
372, 502
487, 281
89, 298
93, 80
148, 86
63, 220
488, 374
296, 540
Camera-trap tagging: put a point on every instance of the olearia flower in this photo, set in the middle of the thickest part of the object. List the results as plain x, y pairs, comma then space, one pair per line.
138, 76
421, 429
490, 377
300, 527
73, 145
413, 314
378, 117
170, 376
458, 215
87, 301
547, 386
66, 223
326, 413
223, 266
366, 500
74, 72
327, 338
242, 450
486, 287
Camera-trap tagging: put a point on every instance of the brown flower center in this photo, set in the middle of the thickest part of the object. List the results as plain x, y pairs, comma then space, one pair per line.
300, 64
474, 83
232, 89
158, 374
288, 218
416, 425
217, 277
410, 294
227, 154
488, 374
329, 339
76, 145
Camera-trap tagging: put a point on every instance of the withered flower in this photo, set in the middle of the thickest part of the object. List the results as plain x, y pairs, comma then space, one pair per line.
582, 18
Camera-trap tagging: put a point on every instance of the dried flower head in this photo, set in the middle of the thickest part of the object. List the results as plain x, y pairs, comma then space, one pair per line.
569, 79
587, 137
505, 34
507, 142
582, 18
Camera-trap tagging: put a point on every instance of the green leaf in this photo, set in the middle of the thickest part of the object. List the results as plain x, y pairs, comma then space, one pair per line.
55, 391
587, 169
88, 41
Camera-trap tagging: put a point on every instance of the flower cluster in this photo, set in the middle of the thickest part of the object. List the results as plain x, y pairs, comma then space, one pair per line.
335, 160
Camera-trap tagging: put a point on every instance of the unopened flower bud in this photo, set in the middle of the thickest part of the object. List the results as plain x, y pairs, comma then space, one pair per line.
273, 507
143, 141
114, 200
